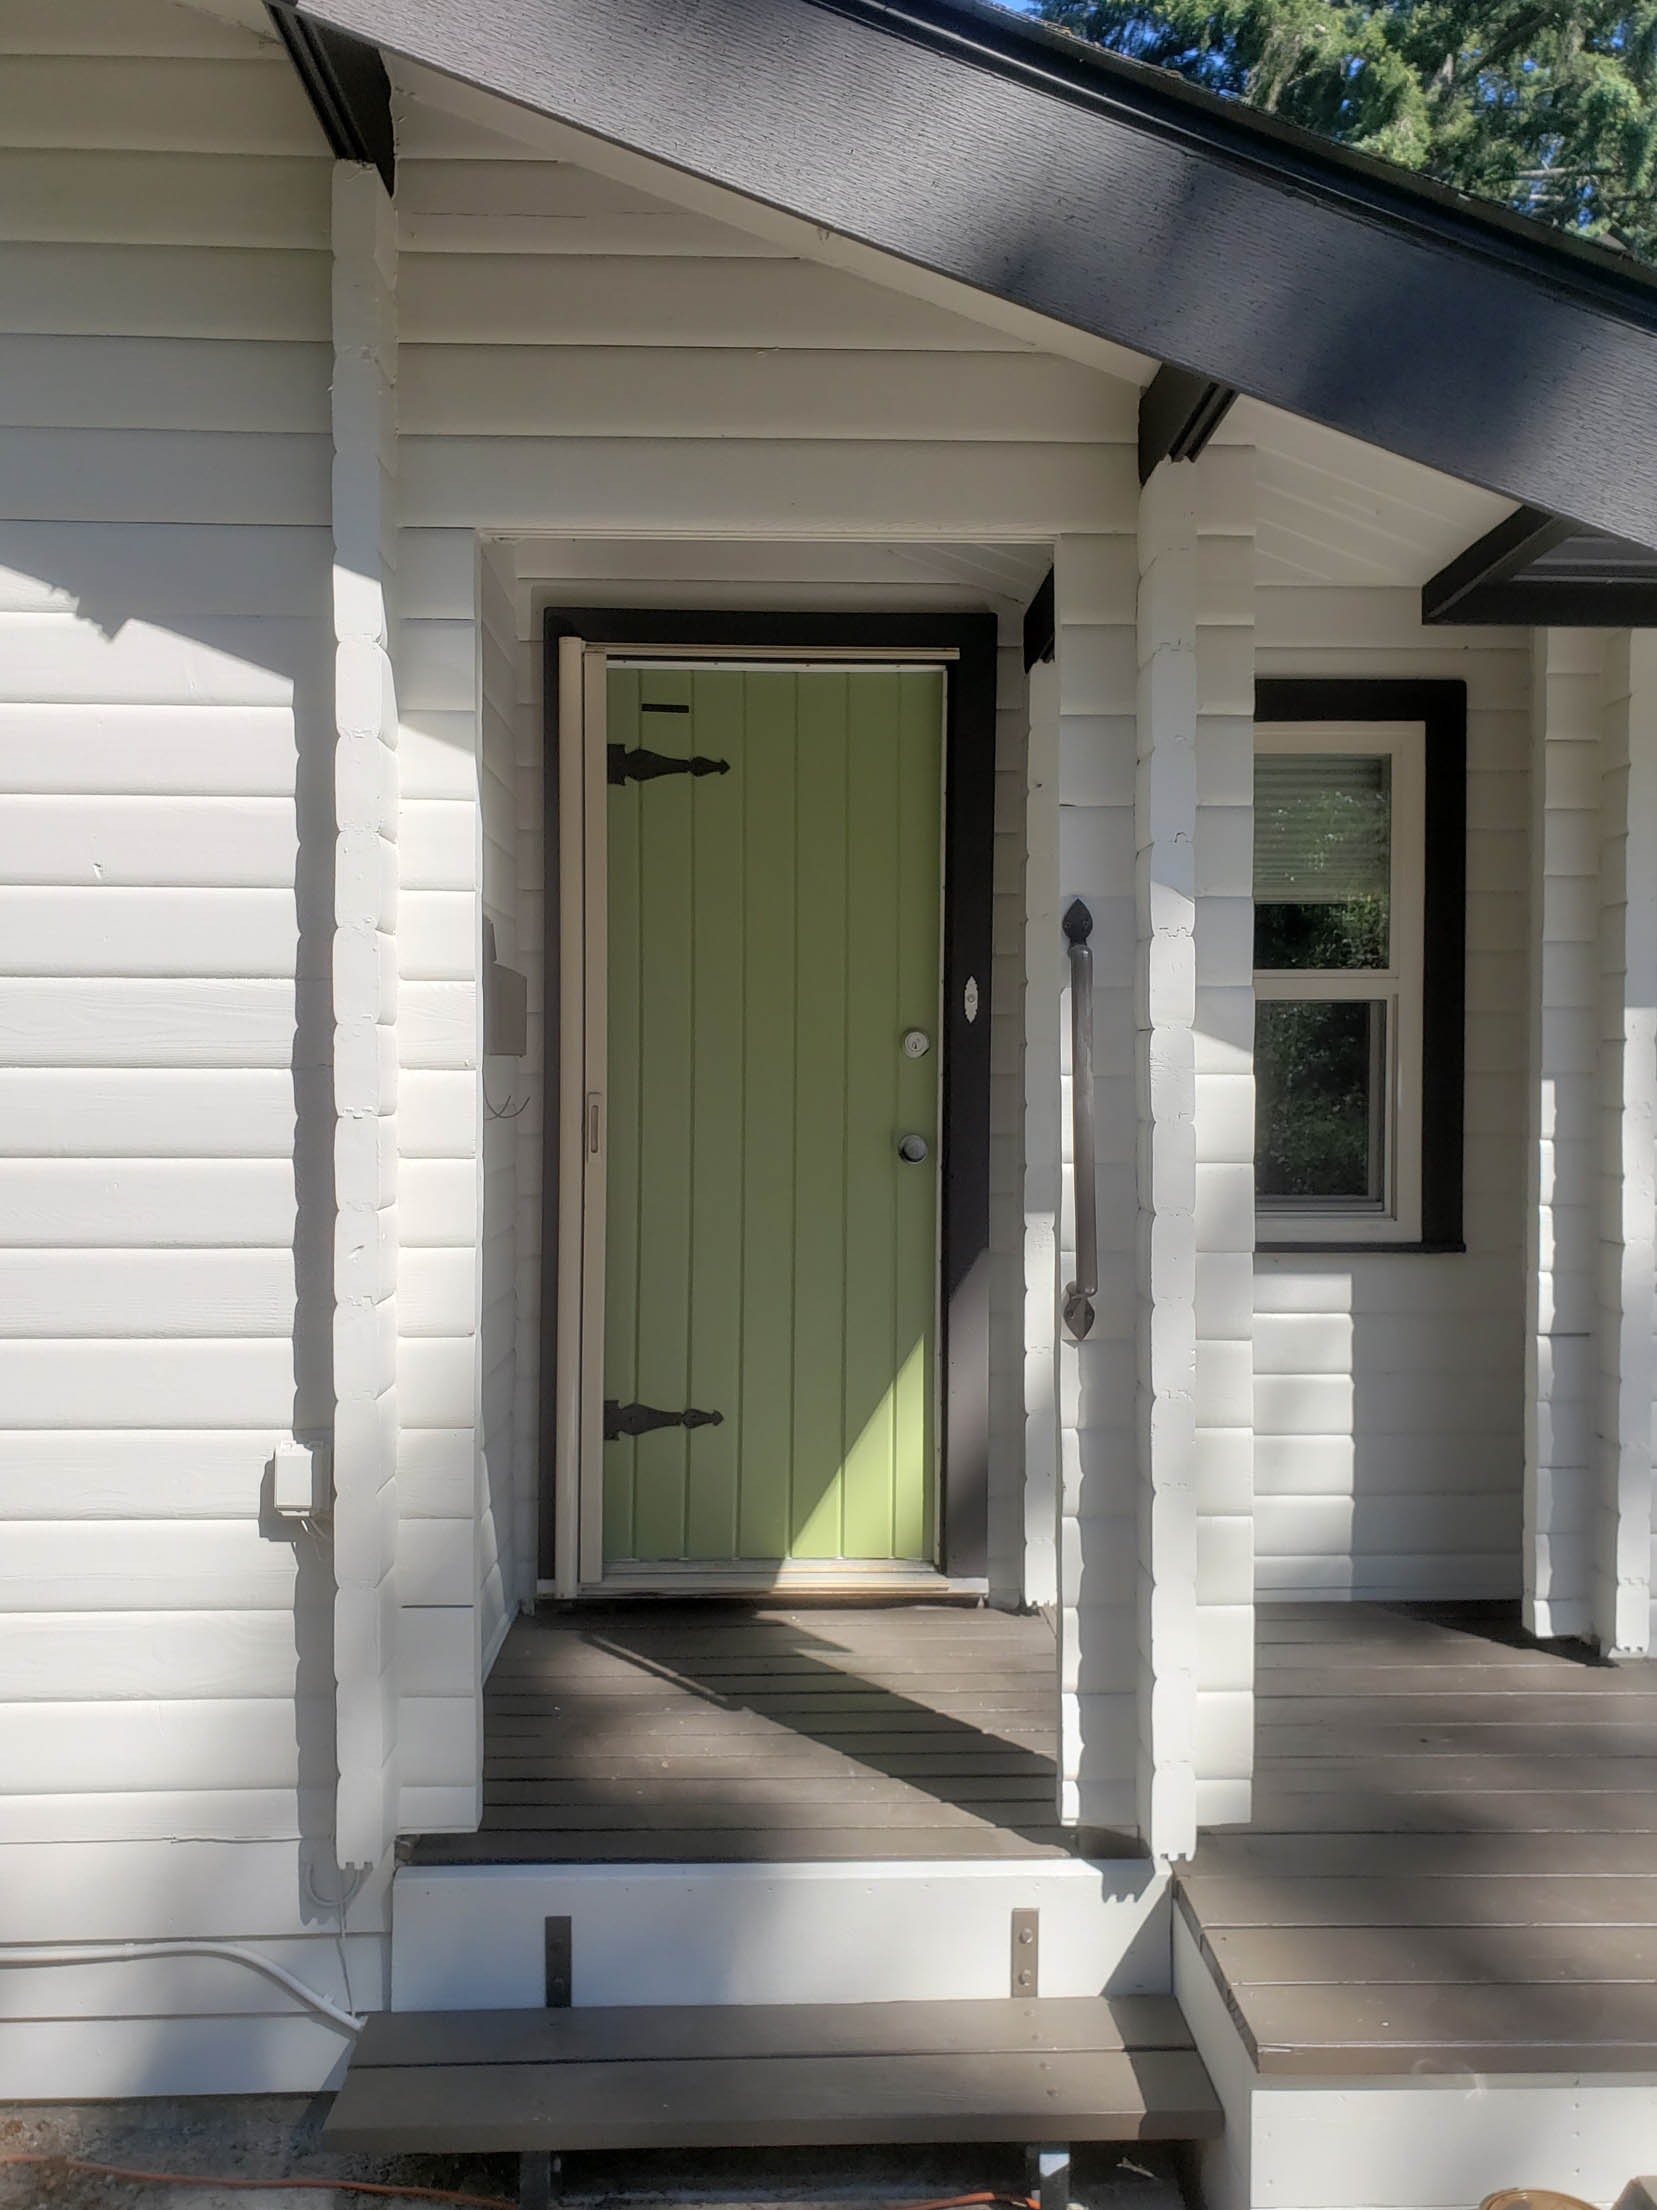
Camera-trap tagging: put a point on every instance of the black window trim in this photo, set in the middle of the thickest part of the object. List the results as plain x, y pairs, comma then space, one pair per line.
1442, 708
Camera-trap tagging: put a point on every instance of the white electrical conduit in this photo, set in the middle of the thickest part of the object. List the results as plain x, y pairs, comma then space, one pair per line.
127, 1952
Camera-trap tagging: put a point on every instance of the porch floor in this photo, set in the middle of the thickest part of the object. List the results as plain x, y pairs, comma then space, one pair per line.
1452, 1864
714, 1732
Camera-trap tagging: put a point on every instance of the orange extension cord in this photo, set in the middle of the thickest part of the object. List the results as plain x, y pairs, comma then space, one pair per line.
412, 2194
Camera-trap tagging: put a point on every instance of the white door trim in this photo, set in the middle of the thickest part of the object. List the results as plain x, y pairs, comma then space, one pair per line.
573, 1134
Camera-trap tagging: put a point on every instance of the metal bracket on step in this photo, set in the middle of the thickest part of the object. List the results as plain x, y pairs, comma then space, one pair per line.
540, 2179
1047, 2170
560, 1965
1026, 1952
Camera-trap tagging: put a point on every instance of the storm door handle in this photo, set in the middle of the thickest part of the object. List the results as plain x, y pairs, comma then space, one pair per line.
1079, 1295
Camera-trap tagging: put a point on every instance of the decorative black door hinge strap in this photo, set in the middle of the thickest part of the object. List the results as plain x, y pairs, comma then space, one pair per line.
644, 1419
640, 766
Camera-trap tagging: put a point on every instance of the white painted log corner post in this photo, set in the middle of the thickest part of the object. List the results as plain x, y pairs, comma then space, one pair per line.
1561, 1213
1090, 749
365, 1010
1628, 1162
1165, 1021
1223, 1060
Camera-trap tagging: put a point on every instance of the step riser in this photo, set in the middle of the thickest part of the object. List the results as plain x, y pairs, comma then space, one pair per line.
473, 1937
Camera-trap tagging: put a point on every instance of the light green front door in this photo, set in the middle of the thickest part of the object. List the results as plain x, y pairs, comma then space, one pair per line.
770, 1255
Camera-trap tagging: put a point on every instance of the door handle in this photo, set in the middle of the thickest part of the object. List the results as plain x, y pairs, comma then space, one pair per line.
912, 1149
1080, 1293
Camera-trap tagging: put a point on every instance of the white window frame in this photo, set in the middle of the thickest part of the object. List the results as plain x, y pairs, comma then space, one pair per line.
1399, 986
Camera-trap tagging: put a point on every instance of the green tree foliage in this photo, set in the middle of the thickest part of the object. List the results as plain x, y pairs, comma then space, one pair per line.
1549, 106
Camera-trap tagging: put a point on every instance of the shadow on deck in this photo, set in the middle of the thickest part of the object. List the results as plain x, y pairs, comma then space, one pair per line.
661, 1733
1452, 1863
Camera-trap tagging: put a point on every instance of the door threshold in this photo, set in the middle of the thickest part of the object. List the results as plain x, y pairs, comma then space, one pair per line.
843, 1579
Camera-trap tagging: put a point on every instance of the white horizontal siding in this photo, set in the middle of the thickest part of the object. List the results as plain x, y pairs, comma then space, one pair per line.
154, 1563
1390, 1390
114, 746
146, 1203
147, 1294
167, 384
116, 933
74, 196
610, 390
88, 1021
629, 300
159, 1475
114, 1657
148, 843
164, 1263
839, 488
103, 29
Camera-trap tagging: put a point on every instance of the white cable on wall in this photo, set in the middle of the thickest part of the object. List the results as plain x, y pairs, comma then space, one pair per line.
127, 1952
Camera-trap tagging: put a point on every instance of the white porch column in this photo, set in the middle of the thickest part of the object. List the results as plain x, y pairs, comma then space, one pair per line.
1095, 581
365, 1011
1224, 1064
1043, 1150
1627, 1068
1563, 1195
1165, 1010
1195, 1018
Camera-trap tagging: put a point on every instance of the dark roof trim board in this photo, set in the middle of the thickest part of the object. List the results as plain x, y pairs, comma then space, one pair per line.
346, 83
1041, 627
1119, 201
1533, 570
1178, 414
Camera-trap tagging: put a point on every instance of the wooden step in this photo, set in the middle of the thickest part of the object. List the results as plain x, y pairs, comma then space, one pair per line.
1055, 2069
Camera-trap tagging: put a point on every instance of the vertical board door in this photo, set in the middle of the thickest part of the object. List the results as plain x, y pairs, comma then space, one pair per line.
770, 1256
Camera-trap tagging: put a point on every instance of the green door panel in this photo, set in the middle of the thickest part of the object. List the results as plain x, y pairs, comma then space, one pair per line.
773, 933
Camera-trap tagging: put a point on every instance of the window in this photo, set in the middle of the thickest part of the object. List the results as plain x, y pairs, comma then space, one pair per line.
1339, 897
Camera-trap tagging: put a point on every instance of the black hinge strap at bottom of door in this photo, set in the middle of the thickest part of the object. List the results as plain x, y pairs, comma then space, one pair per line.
644, 1419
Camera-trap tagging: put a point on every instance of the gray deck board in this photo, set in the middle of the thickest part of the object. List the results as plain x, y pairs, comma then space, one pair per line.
1328, 1807
600, 2036
721, 1732
1452, 1863
769, 1845
777, 2102
1279, 1957
808, 2074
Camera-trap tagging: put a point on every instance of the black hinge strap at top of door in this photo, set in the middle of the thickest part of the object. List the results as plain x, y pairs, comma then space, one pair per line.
641, 766
645, 1419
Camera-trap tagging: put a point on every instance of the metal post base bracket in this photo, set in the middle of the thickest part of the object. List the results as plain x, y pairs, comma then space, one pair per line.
1048, 2172
540, 2179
